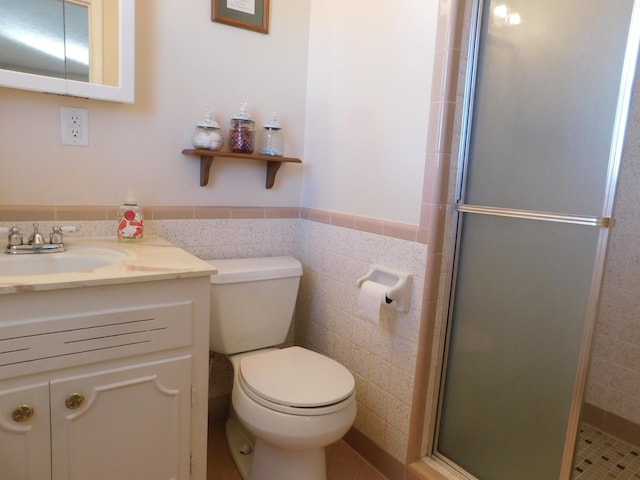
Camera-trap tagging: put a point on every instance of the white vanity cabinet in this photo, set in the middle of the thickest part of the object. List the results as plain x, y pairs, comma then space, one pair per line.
24, 435
105, 382
123, 423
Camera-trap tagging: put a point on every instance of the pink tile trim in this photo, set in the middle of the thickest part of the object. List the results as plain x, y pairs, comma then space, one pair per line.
370, 225
22, 213
343, 220
317, 215
247, 212
170, 213
75, 213
402, 231
26, 213
435, 204
211, 212
282, 212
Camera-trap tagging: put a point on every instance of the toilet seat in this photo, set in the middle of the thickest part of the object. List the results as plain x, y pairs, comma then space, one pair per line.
296, 381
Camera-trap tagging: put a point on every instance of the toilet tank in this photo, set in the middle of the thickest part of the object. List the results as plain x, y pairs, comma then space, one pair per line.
252, 302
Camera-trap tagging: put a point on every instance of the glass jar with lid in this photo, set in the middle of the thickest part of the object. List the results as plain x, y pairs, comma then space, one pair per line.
272, 141
242, 134
207, 134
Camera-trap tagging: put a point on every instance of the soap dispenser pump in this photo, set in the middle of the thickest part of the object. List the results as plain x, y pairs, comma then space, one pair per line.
130, 220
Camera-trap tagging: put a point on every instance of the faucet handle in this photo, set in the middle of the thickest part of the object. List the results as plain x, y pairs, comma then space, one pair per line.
15, 237
56, 236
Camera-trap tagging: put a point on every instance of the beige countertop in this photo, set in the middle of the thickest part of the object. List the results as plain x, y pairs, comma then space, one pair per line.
150, 259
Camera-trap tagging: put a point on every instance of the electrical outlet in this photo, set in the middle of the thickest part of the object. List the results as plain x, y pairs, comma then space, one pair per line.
74, 124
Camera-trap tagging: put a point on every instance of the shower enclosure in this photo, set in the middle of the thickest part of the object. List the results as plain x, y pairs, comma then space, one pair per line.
546, 102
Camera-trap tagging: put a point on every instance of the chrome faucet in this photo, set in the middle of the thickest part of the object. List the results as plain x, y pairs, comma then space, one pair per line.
36, 242
36, 237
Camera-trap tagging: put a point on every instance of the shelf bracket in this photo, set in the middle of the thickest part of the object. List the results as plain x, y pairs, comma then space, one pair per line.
205, 166
272, 169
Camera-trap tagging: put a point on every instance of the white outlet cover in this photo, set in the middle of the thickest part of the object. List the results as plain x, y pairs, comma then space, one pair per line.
74, 126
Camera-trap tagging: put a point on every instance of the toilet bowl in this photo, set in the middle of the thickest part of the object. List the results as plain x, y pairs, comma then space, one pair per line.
288, 425
288, 404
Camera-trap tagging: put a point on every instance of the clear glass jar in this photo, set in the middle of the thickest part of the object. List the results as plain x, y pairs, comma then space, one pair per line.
242, 135
207, 134
272, 140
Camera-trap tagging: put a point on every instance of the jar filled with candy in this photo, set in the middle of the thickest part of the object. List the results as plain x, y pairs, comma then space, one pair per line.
242, 134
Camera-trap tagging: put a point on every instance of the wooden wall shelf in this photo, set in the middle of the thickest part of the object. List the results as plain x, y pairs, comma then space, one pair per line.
207, 156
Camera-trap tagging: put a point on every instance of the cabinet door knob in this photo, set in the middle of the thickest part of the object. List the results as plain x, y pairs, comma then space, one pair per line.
75, 400
23, 413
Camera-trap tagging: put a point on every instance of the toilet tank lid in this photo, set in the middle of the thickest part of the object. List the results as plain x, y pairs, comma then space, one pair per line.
235, 270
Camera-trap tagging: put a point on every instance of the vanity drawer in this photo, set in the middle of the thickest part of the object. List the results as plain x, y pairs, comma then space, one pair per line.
50, 343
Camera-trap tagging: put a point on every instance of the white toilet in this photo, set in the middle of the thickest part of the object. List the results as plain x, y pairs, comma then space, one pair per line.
290, 403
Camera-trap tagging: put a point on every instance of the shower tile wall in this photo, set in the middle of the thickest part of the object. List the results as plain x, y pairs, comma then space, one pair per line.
381, 356
614, 381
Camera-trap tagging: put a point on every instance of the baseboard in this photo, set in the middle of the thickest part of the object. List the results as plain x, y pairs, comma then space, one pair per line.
612, 424
382, 460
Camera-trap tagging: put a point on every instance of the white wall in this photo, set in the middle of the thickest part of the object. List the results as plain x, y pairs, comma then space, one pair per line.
184, 64
357, 73
370, 67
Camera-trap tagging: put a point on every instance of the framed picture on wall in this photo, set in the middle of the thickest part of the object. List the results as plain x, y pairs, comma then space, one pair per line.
249, 14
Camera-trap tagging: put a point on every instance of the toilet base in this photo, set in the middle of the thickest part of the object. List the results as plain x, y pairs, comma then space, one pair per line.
271, 462
241, 445
257, 460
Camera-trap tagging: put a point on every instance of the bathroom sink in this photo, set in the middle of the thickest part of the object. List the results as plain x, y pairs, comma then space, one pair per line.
77, 258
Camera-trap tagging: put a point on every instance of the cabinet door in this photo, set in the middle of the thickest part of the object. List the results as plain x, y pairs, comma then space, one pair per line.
25, 443
128, 424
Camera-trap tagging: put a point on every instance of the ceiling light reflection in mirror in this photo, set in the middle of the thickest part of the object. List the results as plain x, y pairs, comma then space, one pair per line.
45, 37
95, 60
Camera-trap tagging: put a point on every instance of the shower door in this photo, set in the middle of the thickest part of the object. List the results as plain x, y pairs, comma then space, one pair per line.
545, 110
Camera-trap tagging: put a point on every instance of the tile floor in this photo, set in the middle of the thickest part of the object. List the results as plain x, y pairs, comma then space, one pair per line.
599, 457
343, 463
603, 457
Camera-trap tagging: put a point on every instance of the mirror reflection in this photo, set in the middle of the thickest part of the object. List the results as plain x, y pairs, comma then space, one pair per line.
71, 39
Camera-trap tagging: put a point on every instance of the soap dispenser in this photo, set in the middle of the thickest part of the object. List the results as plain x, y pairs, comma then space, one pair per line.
130, 220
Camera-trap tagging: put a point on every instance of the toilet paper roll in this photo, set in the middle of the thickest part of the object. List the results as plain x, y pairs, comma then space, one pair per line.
372, 297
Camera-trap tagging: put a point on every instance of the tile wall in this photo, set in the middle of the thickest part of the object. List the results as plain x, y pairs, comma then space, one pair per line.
614, 381
381, 356
335, 249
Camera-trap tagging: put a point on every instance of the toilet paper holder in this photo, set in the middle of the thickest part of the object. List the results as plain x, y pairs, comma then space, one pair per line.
398, 281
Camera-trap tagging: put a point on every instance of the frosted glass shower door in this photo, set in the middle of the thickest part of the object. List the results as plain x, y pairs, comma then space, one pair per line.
545, 113
520, 306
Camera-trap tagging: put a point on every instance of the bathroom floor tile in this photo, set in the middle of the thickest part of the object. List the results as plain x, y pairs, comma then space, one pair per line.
220, 466
343, 463
603, 457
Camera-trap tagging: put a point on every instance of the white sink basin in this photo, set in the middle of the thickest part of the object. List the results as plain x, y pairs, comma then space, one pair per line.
77, 258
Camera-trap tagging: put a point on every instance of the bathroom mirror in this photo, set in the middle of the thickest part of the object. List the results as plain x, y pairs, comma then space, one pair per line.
81, 48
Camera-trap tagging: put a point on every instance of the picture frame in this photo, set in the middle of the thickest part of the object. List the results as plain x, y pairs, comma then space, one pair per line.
248, 14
